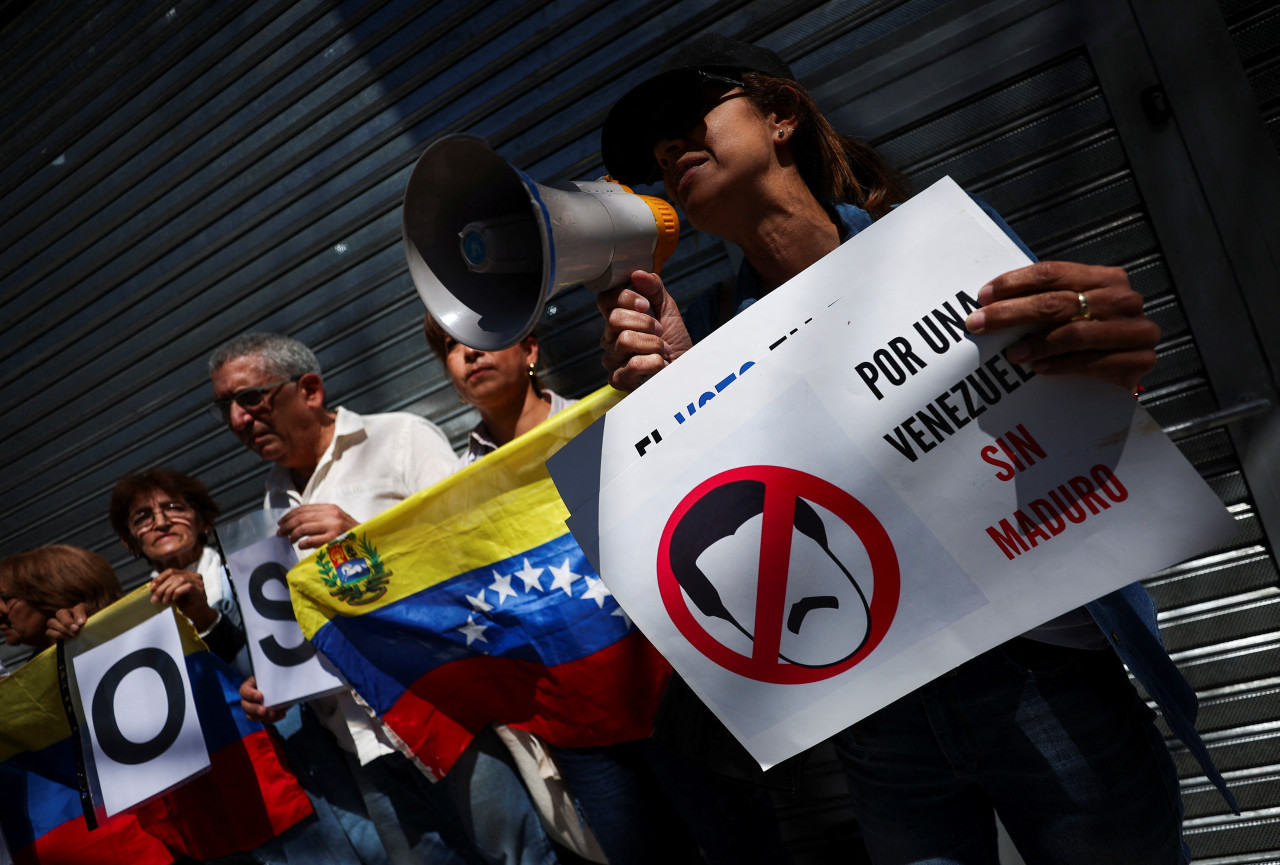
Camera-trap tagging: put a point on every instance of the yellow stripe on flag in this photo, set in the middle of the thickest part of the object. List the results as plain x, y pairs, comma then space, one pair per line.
31, 714
449, 528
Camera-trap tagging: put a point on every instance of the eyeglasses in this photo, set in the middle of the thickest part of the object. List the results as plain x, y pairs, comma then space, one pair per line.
249, 399
143, 519
688, 103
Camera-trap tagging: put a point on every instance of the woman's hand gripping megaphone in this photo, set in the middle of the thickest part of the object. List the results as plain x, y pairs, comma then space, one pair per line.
643, 330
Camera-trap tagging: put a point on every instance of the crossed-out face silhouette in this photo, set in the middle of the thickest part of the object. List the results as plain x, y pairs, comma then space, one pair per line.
715, 557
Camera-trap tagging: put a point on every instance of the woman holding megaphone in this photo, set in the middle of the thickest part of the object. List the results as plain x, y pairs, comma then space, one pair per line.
1052, 737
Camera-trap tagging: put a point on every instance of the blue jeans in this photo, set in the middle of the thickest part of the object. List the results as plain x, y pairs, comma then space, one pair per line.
1055, 740
496, 810
646, 804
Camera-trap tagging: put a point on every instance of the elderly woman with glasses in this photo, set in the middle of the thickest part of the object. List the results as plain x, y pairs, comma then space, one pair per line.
165, 517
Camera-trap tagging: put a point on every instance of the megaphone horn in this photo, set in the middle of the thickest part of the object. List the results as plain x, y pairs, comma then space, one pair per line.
488, 247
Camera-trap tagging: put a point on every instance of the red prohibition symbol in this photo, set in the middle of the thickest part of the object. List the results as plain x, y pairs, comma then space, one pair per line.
721, 504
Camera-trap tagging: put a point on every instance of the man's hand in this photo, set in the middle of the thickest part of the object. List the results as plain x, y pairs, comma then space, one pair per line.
66, 623
637, 346
185, 590
311, 526
1116, 343
251, 701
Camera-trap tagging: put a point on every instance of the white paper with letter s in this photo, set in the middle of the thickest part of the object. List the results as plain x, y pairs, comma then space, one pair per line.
840, 495
140, 712
287, 668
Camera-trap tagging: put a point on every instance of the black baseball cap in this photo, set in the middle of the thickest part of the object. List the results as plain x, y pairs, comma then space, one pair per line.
626, 142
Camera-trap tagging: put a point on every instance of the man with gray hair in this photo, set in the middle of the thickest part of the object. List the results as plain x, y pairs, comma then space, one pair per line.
333, 470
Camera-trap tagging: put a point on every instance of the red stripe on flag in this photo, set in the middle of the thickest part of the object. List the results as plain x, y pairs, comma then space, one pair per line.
119, 841
435, 739
245, 799
605, 698
441, 712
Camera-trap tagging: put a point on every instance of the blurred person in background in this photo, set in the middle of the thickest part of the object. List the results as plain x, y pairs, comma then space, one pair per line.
38, 584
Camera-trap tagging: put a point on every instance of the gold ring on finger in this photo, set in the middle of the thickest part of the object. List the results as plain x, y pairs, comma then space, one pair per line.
1082, 308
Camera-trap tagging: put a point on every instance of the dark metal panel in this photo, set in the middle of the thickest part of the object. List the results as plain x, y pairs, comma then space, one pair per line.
1255, 33
1213, 125
60, 45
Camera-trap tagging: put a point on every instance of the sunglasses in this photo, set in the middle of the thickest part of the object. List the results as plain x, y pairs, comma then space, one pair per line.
249, 399
689, 101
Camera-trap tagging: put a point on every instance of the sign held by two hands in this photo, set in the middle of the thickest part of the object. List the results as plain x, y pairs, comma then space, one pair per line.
861, 496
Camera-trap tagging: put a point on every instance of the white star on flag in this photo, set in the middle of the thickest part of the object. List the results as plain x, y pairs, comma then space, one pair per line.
478, 603
530, 576
596, 591
502, 585
564, 577
626, 620
474, 631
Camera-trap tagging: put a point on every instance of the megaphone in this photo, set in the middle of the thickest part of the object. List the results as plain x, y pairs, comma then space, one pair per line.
488, 247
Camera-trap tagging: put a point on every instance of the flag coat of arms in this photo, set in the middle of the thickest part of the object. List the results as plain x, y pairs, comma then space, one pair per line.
245, 799
470, 604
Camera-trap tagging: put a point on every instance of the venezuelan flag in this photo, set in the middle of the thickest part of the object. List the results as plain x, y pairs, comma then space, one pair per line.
246, 798
470, 604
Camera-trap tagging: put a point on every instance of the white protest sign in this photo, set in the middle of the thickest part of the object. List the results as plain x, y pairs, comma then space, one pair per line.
140, 712
287, 668
840, 495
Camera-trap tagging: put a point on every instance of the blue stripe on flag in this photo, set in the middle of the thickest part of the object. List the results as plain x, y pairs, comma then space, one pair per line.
546, 605
40, 793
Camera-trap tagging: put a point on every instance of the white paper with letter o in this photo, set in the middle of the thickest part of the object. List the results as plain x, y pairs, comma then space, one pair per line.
141, 713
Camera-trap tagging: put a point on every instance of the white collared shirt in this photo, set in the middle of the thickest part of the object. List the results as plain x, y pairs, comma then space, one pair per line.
374, 461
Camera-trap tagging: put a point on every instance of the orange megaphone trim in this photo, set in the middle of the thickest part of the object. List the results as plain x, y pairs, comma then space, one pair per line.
668, 230
664, 215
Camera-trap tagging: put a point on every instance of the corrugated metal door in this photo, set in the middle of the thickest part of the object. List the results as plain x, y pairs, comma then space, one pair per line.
177, 173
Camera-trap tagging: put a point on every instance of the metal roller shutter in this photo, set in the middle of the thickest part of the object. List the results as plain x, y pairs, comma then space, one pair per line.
178, 173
